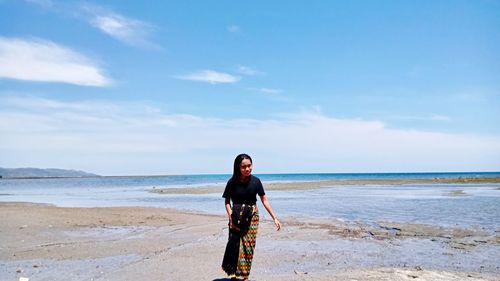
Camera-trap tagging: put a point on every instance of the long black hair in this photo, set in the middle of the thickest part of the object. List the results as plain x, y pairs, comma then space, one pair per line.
237, 163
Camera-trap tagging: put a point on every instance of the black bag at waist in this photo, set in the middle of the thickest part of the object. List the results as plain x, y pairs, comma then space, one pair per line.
242, 217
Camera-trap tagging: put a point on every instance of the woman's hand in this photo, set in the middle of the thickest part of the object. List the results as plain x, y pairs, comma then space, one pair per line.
277, 223
269, 209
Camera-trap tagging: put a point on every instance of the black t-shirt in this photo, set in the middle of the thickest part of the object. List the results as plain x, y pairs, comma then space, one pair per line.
244, 192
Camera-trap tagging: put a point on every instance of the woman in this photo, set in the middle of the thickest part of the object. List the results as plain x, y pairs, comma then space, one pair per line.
242, 189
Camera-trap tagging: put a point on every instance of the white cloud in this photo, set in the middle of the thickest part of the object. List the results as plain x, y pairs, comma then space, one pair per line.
270, 90
137, 138
210, 76
233, 28
246, 70
128, 30
42, 60
428, 117
439, 117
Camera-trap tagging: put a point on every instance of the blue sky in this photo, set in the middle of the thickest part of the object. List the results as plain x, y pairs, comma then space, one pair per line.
180, 87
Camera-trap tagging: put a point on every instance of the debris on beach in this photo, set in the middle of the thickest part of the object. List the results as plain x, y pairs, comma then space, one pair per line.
300, 272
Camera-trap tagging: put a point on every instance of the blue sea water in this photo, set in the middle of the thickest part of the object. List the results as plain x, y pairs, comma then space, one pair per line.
415, 203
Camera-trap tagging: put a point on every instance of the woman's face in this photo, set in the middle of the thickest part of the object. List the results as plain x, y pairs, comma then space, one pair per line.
245, 168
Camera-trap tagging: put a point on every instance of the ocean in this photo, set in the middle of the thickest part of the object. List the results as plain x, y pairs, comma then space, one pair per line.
450, 205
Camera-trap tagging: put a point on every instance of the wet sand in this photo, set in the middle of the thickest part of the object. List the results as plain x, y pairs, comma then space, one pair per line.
304, 185
44, 242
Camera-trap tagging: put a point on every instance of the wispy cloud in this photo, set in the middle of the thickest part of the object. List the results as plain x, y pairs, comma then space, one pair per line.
128, 30
429, 117
210, 76
233, 28
249, 71
104, 137
46, 61
270, 90
438, 117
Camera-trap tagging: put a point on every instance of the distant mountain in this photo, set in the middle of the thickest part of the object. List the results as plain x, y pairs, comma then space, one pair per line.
41, 173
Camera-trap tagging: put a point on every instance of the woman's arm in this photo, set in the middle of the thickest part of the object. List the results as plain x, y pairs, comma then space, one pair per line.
229, 211
269, 209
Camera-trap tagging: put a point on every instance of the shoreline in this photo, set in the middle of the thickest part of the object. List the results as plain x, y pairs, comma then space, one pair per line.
468, 174
45, 242
305, 185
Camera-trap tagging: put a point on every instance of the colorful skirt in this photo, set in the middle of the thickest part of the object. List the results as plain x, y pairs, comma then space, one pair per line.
244, 250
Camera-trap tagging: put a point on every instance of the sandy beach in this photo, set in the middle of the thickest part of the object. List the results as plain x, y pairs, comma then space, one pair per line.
44, 242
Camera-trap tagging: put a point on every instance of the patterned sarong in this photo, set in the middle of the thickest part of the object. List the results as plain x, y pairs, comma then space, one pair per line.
244, 244
247, 245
